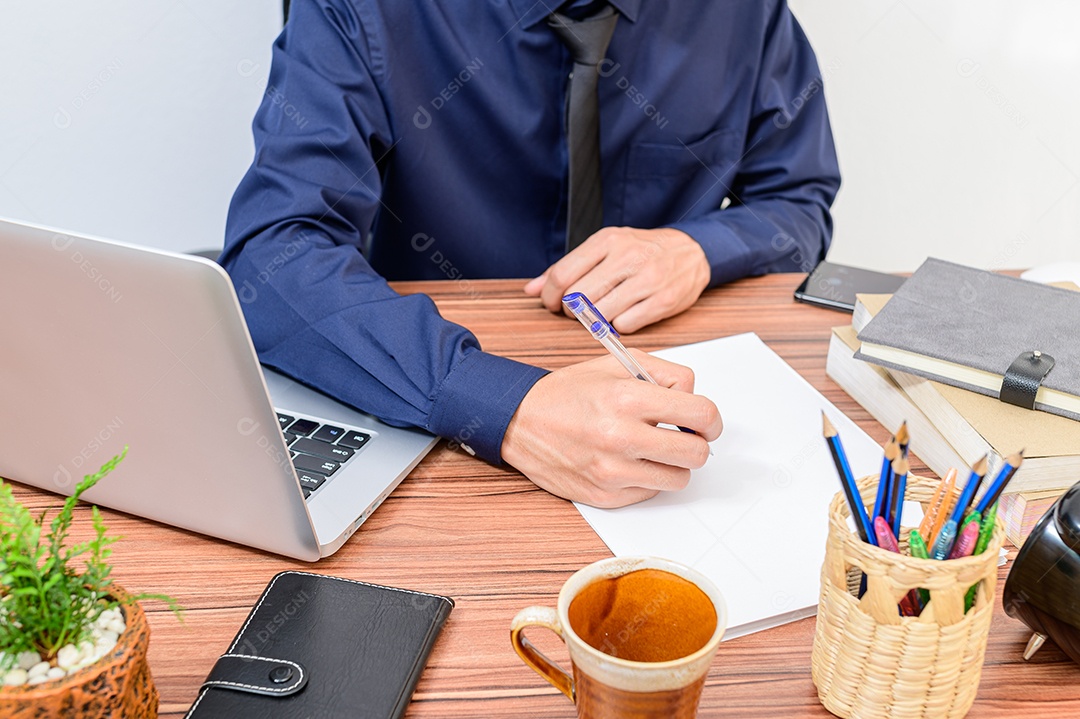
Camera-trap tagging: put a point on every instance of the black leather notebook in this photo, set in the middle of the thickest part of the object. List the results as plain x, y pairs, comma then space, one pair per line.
319, 646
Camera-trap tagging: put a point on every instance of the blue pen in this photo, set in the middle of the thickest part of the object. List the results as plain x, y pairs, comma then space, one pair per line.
602, 330
972, 486
1008, 469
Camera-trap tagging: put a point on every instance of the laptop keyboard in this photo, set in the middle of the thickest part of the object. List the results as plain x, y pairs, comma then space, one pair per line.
319, 450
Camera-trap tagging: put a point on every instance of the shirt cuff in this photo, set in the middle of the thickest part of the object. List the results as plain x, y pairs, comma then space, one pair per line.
729, 257
478, 398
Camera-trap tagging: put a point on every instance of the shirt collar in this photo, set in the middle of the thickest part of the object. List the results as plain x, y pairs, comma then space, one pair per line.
531, 12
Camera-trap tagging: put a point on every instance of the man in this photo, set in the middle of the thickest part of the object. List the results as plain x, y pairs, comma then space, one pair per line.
402, 139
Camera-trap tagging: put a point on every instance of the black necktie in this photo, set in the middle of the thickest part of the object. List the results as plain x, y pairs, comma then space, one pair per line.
587, 40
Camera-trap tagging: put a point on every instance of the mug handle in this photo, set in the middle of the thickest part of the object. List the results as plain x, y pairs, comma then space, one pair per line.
533, 657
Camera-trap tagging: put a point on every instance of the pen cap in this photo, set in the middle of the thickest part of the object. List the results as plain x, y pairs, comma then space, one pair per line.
580, 306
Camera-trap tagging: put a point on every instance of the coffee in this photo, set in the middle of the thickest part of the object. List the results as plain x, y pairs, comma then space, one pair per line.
648, 615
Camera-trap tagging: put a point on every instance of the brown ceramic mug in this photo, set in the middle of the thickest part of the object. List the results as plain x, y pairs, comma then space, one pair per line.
641, 633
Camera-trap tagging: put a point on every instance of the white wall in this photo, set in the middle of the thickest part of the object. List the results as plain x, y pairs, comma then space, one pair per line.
130, 119
957, 123
958, 128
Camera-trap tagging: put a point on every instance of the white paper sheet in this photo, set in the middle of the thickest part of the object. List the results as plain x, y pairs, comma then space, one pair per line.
755, 517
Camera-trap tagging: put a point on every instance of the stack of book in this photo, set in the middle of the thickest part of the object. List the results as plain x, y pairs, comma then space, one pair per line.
956, 425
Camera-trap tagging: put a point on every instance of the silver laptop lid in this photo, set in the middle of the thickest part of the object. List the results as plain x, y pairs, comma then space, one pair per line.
105, 345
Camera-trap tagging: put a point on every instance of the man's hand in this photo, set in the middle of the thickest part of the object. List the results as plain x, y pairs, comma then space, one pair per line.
588, 432
634, 277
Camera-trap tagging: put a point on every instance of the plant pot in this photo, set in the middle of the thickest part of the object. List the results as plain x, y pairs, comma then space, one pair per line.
117, 686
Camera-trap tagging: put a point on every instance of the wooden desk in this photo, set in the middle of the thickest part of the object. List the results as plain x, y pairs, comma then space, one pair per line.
496, 543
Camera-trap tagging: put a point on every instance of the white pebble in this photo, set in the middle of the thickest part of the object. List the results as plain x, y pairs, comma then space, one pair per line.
109, 637
25, 660
37, 680
117, 625
56, 673
15, 678
67, 657
38, 670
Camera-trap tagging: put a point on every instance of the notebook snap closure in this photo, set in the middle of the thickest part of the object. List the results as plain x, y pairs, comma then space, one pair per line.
281, 674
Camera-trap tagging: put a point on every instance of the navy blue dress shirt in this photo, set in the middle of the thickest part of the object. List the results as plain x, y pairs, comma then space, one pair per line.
414, 139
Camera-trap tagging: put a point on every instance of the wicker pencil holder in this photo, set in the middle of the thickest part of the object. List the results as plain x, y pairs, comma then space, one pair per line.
868, 661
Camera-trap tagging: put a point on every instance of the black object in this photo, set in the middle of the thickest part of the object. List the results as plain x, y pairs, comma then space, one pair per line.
835, 286
319, 646
587, 40
1021, 381
1043, 588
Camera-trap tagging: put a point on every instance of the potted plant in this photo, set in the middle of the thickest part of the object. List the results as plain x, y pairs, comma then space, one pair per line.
72, 642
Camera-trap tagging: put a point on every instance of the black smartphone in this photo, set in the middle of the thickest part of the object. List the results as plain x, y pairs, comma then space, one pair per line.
835, 286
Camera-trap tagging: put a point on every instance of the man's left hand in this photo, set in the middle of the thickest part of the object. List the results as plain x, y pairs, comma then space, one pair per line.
634, 277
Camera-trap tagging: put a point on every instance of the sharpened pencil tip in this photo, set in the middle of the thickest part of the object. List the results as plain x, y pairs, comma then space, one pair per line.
903, 437
827, 427
981, 466
1016, 459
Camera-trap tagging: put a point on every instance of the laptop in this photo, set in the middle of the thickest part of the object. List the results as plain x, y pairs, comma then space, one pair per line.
106, 344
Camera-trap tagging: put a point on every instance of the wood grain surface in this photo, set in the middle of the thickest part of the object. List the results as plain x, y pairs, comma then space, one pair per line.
495, 543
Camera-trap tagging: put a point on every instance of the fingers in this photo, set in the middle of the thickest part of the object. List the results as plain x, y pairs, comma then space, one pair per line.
634, 277
588, 432
667, 374
564, 273
533, 286
620, 497
660, 405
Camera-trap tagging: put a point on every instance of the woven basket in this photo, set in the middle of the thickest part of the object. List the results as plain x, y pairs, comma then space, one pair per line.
868, 661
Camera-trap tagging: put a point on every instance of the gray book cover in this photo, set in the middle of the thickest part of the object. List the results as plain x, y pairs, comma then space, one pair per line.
982, 320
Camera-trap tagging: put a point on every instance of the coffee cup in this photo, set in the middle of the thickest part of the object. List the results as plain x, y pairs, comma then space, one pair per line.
641, 633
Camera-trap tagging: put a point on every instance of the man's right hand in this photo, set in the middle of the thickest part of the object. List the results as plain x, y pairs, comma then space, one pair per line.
588, 432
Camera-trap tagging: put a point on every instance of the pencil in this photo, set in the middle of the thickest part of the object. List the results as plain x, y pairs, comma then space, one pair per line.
1005, 475
892, 451
903, 439
899, 489
978, 470
854, 499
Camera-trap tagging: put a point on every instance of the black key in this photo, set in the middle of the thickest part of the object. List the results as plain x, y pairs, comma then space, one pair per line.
308, 463
290, 438
307, 492
322, 450
310, 480
303, 426
328, 433
355, 440
284, 420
